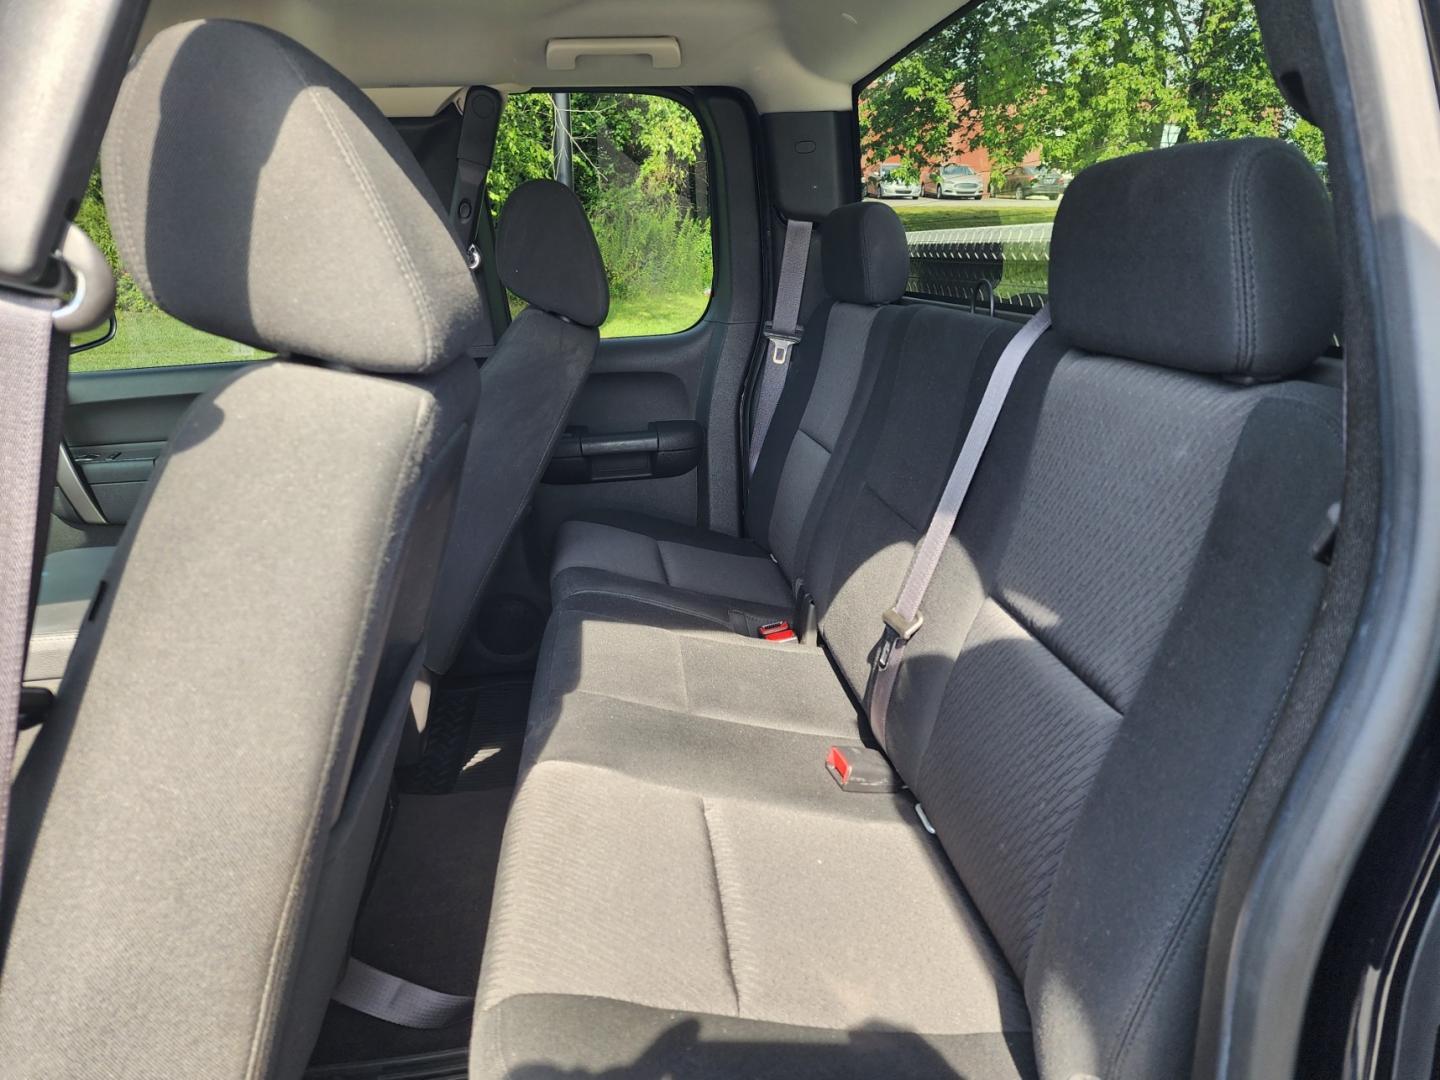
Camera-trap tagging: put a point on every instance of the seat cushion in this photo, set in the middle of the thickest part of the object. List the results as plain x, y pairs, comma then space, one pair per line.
664, 679
731, 912
635, 548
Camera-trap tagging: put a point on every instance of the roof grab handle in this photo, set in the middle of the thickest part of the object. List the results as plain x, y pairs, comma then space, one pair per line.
562, 53
94, 296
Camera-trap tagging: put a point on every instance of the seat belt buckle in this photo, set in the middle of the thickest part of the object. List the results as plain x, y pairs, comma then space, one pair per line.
898, 630
857, 768
781, 342
777, 631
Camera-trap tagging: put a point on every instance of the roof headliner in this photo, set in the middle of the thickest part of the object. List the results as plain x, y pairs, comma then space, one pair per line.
787, 54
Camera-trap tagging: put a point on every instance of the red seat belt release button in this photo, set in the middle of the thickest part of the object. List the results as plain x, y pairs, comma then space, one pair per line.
837, 764
777, 631
858, 768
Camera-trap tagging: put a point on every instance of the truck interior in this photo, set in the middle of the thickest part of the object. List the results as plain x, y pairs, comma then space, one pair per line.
517, 563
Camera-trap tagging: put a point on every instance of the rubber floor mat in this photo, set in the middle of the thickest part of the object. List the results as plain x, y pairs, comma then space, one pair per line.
473, 740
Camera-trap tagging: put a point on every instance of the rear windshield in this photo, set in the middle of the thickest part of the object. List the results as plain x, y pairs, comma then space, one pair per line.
1026, 93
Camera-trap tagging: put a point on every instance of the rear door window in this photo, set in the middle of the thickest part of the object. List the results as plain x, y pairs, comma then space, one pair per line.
638, 164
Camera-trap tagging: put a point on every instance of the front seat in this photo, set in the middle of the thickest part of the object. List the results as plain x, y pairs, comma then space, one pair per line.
193, 826
545, 253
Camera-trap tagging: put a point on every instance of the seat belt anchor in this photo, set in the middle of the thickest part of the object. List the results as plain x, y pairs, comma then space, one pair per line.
781, 342
898, 630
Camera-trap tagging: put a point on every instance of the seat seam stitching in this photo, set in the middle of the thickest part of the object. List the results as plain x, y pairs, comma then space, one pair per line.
1216, 841
1217, 845
641, 600
684, 677
1064, 661
720, 902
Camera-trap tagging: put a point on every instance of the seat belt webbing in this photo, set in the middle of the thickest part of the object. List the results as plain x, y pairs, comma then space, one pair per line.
904, 619
388, 997
469, 207
783, 332
27, 341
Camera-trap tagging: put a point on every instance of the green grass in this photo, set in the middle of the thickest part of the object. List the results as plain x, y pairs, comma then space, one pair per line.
662, 314
153, 339
975, 215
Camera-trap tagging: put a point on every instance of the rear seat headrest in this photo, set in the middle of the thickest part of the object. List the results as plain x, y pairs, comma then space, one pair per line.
546, 253
866, 258
255, 193
1213, 257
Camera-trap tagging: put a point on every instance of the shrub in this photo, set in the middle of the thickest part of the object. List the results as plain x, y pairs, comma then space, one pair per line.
650, 242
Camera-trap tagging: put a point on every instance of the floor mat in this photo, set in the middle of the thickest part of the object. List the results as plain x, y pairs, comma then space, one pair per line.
473, 739
424, 919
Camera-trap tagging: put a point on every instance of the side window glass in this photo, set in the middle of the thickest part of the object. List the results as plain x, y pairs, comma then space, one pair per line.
144, 335
974, 135
637, 162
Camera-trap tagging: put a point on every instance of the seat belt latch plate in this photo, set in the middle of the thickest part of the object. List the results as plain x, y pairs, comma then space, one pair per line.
898, 629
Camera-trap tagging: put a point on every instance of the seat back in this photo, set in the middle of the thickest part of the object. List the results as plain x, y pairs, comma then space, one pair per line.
194, 824
1116, 618
546, 254
864, 259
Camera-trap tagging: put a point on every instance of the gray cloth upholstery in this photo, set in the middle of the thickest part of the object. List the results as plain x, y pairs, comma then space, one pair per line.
260, 196
1108, 639
633, 555
527, 388
226, 730
734, 908
196, 819
68, 583
551, 1036
546, 253
864, 254
1214, 257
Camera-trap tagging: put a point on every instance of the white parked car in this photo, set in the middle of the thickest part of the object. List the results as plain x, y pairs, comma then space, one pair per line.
955, 181
883, 183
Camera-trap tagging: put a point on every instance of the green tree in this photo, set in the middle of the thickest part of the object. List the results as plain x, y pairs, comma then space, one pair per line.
1082, 80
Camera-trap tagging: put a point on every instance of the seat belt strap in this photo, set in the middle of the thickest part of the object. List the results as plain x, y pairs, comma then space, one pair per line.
905, 618
469, 207
388, 997
27, 348
782, 332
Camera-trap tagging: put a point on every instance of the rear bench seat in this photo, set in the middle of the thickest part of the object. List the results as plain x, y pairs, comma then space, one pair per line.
1108, 640
622, 559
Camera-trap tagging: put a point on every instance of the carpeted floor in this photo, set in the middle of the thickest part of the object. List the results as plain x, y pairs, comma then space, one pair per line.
425, 915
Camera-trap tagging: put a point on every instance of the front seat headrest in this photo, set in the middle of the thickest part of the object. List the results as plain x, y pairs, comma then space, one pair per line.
256, 193
1215, 257
546, 253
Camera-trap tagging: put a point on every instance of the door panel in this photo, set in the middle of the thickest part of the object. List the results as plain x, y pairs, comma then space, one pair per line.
694, 375
117, 424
